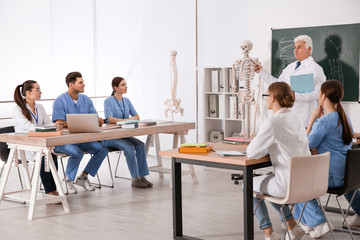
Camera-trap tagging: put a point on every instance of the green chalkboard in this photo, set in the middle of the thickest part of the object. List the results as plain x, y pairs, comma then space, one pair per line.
335, 48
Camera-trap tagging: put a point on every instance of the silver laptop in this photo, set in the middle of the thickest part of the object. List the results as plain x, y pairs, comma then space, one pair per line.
83, 123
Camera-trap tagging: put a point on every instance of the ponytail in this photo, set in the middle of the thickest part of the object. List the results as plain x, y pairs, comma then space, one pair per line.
115, 83
19, 97
334, 91
347, 133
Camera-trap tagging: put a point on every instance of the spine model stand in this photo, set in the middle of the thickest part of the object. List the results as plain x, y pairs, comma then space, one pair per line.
173, 105
243, 70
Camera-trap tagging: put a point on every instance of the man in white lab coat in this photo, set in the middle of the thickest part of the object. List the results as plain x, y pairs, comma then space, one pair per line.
305, 103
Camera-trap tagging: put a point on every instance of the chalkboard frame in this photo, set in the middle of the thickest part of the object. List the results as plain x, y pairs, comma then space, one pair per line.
335, 47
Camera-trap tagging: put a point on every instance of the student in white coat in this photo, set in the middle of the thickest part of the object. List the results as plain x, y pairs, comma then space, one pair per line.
281, 136
305, 103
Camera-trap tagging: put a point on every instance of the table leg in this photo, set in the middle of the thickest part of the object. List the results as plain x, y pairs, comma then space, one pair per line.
248, 204
57, 181
35, 184
147, 144
191, 167
158, 157
25, 169
6, 174
177, 199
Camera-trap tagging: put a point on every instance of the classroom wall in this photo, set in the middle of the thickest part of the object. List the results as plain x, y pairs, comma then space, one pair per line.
46, 39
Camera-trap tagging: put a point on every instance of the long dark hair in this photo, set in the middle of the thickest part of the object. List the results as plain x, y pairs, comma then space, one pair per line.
19, 97
115, 82
334, 91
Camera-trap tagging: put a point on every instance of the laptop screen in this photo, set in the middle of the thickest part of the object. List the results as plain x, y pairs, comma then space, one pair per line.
83, 123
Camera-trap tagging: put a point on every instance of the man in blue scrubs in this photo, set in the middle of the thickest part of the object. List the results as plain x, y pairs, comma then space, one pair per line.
73, 102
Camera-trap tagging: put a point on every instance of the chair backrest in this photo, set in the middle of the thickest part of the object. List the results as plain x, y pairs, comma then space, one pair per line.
352, 170
308, 177
4, 150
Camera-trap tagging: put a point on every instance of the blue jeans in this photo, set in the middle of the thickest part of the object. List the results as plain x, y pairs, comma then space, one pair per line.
313, 215
46, 177
262, 215
76, 152
134, 151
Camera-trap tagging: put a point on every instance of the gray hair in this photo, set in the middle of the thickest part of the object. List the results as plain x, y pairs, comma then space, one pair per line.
306, 39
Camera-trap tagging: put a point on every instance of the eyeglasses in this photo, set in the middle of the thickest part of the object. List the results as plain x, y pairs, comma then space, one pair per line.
264, 95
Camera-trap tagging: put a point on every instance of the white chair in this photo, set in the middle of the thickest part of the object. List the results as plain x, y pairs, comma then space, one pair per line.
308, 180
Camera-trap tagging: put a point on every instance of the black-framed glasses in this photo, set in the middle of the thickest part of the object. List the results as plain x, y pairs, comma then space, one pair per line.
264, 95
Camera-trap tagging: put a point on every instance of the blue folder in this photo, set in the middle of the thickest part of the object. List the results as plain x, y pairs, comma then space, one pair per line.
302, 83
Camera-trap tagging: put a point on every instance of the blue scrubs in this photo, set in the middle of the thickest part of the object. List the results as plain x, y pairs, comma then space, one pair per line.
326, 136
133, 148
63, 105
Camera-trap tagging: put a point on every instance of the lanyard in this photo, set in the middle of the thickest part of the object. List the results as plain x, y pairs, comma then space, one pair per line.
123, 108
35, 117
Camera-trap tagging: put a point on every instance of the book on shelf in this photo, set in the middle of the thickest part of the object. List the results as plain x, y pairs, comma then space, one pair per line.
45, 134
43, 128
237, 140
195, 148
130, 125
234, 142
146, 123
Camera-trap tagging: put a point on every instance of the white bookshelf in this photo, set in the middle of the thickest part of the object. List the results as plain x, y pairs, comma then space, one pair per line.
223, 122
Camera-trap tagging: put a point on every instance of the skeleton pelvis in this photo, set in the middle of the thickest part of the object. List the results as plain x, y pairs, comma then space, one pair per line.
246, 97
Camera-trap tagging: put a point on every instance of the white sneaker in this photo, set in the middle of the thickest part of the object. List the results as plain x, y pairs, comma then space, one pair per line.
320, 230
305, 227
296, 233
70, 186
273, 236
84, 182
353, 221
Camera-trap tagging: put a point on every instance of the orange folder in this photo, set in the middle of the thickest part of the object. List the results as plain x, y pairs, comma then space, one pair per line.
195, 149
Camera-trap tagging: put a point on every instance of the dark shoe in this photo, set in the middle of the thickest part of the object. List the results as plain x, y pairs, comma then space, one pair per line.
137, 183
149, 184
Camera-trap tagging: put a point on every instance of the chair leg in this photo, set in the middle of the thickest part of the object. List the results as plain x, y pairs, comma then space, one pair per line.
283, 217
302, 212
257, 204
116, 169
327, 220
99, 184
327, 201
347, 212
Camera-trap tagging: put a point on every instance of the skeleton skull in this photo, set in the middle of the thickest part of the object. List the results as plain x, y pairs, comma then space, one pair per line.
246, 47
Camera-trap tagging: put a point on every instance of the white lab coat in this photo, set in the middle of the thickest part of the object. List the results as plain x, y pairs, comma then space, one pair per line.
305, 103
282, 136
23, 125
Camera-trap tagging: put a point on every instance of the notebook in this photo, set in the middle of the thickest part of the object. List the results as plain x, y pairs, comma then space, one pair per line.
83, 123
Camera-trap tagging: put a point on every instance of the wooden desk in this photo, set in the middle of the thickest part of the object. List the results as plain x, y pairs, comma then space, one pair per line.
44, 146
213, 160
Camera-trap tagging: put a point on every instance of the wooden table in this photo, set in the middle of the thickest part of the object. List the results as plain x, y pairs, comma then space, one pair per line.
214, 160
44, 146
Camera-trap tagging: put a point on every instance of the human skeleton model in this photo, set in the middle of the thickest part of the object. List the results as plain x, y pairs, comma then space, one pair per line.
243, 70
173, 104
